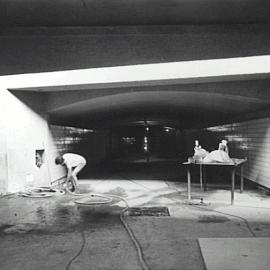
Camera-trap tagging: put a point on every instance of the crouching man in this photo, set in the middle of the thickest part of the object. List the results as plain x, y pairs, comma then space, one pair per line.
74, 164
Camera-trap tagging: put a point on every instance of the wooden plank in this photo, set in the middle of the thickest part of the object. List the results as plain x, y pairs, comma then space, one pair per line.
235, 253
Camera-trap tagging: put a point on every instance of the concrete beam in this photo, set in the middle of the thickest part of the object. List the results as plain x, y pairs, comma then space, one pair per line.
142, 75
46, 49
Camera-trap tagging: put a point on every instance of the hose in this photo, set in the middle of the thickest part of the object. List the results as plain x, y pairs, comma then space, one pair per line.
131, 235
40, 192
79, 252
220, 212
122, 219
230, 215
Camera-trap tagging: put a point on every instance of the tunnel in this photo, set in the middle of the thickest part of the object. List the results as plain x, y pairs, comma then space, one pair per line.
144, 93
146, 126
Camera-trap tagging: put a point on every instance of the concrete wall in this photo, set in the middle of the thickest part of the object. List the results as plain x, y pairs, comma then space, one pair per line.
249, 139
3, 147
25, 130
30, 50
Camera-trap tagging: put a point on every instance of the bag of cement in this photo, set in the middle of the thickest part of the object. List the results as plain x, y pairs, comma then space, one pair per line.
218, 156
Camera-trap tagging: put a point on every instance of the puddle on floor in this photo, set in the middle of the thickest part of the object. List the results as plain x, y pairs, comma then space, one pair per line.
213, 219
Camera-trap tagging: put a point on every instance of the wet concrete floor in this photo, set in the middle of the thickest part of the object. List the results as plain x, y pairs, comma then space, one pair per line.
57, 233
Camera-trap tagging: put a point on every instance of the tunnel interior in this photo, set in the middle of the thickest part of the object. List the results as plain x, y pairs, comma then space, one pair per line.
147, 132
130, 86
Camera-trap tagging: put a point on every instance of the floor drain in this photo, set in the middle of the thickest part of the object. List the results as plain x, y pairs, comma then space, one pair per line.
149, 211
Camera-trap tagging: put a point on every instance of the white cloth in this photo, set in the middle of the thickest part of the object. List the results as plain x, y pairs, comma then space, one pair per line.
73, 160
217, 156
200, 154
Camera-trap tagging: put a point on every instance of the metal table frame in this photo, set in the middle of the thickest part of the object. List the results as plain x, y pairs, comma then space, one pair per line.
233, 165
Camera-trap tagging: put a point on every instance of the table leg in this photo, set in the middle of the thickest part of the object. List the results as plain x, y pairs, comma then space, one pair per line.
204, 179
233, 185
242, 180
201, 177
189, 183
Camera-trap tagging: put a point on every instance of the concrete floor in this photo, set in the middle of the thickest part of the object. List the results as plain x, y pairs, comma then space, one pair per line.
47, 233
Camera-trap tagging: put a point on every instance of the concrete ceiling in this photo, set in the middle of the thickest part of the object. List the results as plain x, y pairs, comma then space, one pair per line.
131, 12
37, 49
191, 94
175, 108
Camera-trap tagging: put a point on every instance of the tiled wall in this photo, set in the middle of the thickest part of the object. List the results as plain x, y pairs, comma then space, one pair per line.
88, 143
248, 139
67, 139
